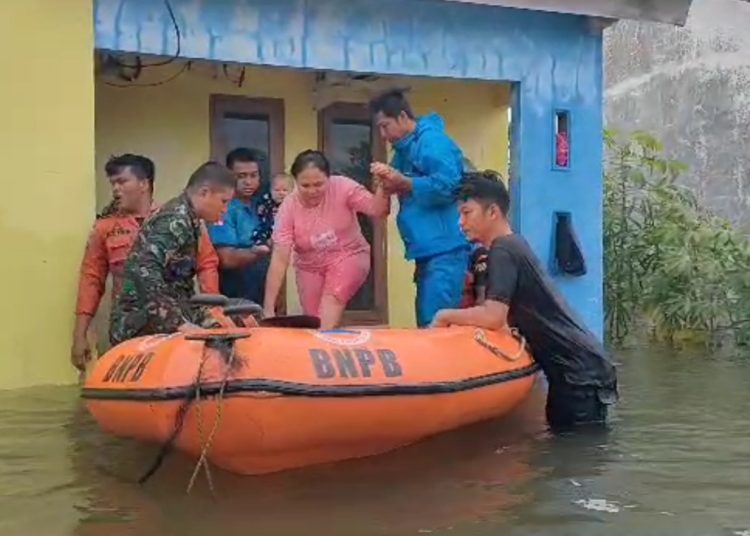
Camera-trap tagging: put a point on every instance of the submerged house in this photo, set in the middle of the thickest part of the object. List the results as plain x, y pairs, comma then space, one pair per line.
518, 82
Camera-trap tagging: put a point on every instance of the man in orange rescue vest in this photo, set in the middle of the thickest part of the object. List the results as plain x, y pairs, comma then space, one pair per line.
132, 180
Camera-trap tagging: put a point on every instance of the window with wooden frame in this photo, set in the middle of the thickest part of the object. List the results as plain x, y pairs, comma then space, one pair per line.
347, 137
256, 123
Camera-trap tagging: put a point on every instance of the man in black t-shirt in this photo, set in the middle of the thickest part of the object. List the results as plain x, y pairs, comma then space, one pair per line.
582, 380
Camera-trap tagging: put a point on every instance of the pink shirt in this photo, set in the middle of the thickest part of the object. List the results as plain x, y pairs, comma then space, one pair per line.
324, 234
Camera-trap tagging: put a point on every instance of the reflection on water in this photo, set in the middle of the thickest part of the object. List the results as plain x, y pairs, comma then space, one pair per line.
676, 461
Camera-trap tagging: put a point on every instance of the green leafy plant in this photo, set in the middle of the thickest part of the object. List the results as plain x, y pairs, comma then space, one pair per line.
670, 265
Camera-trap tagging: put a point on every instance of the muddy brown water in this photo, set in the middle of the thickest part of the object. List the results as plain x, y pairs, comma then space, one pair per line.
675, 461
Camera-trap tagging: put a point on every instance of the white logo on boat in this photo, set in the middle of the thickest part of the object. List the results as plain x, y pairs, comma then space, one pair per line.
343, 337
149, 342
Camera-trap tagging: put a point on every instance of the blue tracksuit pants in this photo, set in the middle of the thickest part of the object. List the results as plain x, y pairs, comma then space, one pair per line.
440, 283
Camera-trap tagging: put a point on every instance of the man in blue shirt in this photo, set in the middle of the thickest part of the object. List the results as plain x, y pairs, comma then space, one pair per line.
426, 173
243, 266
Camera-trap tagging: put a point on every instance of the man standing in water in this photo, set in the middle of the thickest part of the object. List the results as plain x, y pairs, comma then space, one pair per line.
582, 380
131, 177
158, 278
425, 173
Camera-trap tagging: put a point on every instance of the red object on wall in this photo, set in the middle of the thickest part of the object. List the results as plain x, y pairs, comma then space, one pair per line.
561, 150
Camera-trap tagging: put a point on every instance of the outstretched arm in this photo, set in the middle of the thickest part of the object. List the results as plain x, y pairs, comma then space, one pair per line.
360, 199
489, 315
501, 279
275, 278
283, 243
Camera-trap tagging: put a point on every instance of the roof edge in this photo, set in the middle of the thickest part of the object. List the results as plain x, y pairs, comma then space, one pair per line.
673, 12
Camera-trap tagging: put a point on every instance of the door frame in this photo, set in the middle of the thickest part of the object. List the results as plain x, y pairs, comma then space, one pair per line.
221, 105
360, 112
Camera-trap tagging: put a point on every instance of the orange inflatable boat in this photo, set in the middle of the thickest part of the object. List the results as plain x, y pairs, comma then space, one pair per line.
264, 399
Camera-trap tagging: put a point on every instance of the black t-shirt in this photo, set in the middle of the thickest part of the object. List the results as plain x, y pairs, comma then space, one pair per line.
566, 351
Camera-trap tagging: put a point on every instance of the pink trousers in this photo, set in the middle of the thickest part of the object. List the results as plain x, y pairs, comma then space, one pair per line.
341, 280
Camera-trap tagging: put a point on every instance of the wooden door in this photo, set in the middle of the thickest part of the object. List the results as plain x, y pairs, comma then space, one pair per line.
349, 140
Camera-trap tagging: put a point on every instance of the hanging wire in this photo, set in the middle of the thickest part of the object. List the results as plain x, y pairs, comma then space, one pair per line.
139, 65
184, 68
178, 36
240, 78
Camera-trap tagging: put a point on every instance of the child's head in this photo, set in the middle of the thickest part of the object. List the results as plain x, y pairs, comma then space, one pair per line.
281, 186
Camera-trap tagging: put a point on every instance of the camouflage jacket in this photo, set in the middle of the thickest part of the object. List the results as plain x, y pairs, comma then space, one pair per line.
158, 277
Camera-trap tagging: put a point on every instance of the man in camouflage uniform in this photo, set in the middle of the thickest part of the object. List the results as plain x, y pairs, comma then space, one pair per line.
158, 275
113, 234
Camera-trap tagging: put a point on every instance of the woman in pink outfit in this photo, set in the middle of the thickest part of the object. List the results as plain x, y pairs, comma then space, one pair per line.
318, 222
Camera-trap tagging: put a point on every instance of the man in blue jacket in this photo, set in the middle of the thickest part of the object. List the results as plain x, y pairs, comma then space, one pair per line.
425, 174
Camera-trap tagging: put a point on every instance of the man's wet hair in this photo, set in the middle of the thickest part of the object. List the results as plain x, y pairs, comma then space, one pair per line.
140, 166
486, 188
391, 104
213, 175
245, 154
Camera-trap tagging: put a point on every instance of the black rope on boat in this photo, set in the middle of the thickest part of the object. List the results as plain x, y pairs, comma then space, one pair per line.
166, 448
224, 344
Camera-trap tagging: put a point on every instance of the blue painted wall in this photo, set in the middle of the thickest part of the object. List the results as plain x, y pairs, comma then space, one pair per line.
555, 59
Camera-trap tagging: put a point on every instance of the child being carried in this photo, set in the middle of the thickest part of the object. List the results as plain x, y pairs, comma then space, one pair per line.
281, 186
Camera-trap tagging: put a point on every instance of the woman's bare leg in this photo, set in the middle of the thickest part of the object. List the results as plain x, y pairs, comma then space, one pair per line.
310, 290
331, 310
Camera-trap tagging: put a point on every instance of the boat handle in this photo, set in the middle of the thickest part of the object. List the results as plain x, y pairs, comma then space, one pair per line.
481, 339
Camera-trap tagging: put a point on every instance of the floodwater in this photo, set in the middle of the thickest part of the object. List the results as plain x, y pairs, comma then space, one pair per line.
676, 461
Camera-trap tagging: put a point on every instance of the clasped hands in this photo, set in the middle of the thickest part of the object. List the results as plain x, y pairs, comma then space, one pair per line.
392, 180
